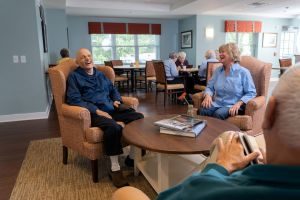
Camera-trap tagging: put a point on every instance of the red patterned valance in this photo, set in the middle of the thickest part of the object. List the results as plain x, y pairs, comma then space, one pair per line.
243, 26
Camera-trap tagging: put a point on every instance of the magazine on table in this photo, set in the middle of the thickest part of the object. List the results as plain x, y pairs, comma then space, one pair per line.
189, 132
180, 123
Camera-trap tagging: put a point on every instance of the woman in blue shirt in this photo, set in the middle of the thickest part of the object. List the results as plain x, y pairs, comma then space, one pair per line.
230, 88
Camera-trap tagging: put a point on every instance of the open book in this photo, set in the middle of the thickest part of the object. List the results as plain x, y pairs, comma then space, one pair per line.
189, 132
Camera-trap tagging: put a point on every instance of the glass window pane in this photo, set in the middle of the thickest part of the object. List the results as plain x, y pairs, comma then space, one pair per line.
126, 54
230, 37
147, 40
101, 54
101, 39
124, 40
147, 53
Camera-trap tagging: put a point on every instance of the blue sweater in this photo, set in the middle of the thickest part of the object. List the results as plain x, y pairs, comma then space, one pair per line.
256, 182
91, 91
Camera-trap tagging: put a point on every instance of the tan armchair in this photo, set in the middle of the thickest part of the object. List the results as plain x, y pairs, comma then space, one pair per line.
75, 122
251, 122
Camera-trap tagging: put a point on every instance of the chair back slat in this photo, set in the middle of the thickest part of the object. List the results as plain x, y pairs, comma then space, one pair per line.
285, 62
211, 67
160, 72
150, 71
117, 62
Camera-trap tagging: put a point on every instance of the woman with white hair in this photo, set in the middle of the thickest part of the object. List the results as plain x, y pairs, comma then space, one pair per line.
230, 88
181, 60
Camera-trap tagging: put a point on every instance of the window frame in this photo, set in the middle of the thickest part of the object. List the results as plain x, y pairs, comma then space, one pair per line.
136, 46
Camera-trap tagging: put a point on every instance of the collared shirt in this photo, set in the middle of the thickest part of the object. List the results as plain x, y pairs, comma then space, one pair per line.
228, 90
203, 68
266, 182
91, 91
170, 68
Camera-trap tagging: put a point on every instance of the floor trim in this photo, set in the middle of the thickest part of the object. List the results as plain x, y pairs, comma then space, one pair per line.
26, 116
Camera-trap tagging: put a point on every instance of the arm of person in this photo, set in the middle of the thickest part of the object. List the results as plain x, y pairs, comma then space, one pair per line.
74, 96
248, 88
210, 90
174, 71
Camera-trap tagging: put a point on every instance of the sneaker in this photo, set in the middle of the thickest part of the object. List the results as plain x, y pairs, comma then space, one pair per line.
117, 178
182, 96
129, 162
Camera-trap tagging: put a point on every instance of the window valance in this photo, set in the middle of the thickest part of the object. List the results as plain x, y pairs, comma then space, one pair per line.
243, 26
123, 28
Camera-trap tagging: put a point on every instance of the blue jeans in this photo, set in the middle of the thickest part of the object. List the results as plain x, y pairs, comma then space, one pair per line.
217, 112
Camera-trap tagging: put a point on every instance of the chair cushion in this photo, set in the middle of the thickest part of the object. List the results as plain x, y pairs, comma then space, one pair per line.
199, 87
120, 78
94, 135
244, 122
170, 86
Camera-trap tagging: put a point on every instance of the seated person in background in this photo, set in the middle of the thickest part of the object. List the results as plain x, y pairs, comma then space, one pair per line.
210, 56
89, 88
64, 53
172, 73
230, 87
230, 178
181, 60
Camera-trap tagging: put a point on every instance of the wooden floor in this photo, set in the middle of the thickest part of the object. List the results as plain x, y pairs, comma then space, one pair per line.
15, 136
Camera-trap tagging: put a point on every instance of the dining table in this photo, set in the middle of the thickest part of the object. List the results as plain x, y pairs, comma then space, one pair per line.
133, 69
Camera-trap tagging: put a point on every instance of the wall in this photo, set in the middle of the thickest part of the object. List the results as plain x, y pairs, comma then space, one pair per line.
217, 22
57, 33
22, 85
186, 25
79, 37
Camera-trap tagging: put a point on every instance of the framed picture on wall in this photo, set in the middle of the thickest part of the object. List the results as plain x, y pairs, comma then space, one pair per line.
186, 39
269, 40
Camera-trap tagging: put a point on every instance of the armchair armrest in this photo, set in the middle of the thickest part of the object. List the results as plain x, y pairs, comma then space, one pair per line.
131, 101
75, 112
255, 104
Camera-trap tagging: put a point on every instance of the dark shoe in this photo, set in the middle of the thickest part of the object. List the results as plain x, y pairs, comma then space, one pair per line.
117, 178
129, 162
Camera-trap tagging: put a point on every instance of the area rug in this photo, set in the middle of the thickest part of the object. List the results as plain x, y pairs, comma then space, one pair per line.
43, 176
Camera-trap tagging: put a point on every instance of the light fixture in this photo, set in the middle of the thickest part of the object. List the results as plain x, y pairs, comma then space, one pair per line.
209, 33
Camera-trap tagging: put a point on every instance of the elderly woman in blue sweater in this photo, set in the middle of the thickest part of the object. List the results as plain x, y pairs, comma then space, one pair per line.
230, 88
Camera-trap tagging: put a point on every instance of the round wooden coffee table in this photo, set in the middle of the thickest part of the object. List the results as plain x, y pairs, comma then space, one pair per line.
168, 166
144, 134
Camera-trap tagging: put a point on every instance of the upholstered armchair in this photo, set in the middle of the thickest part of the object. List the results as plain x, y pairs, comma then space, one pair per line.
251, 121
75, 122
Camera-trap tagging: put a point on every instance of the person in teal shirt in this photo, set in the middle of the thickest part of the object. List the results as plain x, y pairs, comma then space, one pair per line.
230, 177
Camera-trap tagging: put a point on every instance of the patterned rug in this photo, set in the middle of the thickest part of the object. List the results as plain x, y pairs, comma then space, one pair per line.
43, 176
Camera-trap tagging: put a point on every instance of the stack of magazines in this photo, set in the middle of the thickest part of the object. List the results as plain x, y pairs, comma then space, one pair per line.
182, 125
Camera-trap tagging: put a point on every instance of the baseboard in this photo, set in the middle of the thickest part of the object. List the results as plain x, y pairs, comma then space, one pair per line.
26, 116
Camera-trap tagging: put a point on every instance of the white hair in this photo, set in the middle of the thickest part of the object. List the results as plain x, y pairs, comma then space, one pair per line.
182, 54
210, 54
287, 96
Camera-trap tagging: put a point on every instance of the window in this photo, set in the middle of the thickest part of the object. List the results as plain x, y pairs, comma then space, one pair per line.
125, 47
287, 44
245, 41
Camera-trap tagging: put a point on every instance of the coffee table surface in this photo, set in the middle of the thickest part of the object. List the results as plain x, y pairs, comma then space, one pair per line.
144, 134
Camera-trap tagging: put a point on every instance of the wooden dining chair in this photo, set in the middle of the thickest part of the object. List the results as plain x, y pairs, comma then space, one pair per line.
148, 77
211, 67
284, 64
162, 85
119, 79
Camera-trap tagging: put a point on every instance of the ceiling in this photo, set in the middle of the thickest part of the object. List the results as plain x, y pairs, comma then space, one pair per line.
177, 8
